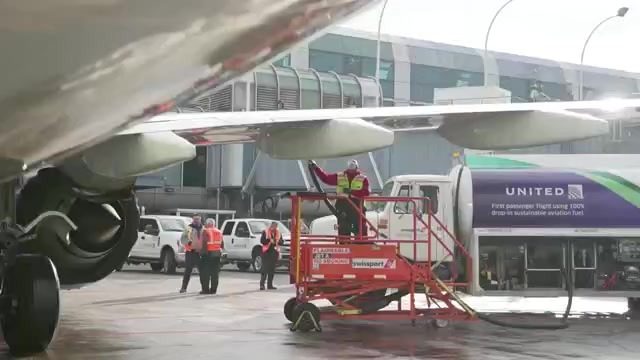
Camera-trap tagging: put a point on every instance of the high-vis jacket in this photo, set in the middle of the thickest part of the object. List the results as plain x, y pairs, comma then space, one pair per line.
356, 184
213, 240
273, 237
358, 180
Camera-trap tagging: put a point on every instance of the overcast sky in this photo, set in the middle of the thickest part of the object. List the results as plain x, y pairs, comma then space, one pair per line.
552, 29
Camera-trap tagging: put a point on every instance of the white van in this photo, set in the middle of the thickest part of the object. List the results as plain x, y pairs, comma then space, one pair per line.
160, 244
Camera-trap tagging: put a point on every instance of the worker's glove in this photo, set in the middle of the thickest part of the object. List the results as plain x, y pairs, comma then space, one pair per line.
312, 164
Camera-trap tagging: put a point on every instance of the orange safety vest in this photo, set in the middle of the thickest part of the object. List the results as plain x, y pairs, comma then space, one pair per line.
214, 239
274, 237
188, 247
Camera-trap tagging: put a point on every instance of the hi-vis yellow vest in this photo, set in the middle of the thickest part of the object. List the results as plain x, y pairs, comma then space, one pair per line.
343, 183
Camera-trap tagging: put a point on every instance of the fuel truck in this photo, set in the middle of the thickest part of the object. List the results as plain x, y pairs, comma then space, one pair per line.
527, 222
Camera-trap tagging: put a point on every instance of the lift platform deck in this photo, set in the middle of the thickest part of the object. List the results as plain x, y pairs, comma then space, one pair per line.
362, 275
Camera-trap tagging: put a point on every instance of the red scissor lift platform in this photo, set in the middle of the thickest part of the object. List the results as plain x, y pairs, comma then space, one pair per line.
354, 273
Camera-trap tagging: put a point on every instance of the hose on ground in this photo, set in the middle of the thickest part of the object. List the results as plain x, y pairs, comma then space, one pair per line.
563, 324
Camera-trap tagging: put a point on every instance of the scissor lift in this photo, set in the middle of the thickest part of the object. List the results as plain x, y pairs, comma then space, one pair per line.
355, 273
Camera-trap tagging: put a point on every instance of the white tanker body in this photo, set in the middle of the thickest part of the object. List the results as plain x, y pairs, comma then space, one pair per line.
523, 218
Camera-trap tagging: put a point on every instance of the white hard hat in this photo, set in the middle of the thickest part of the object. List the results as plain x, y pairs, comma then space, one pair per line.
353, 164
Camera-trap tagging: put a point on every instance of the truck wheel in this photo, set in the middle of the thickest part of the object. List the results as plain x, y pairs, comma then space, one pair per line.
156, 267
243, 266
169, 261
256, 262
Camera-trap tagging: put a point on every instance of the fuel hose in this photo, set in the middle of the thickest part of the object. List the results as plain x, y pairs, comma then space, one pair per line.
316, 183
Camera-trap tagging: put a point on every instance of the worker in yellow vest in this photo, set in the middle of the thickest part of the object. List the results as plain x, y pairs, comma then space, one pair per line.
210, 255
271, 240
354, 184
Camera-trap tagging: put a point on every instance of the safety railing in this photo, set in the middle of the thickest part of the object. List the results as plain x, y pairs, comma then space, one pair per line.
425, 221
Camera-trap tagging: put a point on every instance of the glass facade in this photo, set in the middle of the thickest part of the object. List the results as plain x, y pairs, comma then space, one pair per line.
424, 79
194, 172
283, 61
345, 64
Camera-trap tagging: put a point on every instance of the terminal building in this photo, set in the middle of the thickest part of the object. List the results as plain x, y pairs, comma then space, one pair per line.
337, 70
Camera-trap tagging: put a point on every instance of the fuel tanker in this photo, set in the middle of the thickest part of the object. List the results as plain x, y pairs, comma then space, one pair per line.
527, 221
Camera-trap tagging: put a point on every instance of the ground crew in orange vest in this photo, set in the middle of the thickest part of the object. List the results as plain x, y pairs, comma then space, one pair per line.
191, 241
271, 240
210, 255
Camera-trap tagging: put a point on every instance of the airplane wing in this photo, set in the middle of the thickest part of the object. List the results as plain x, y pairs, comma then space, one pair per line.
298, 134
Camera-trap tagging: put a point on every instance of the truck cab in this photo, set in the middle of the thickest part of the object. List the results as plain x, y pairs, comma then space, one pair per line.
395, 220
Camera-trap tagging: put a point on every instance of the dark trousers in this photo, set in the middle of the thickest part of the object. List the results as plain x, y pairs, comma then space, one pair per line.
269, 262
209, 272
191, 259
350, 221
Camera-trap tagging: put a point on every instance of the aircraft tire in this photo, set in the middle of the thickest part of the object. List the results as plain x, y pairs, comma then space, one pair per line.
84, 260
31, 317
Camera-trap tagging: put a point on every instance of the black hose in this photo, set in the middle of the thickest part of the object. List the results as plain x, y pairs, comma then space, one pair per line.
564, 323
316, 183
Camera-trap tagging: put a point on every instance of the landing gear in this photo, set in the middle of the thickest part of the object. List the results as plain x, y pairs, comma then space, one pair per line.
31, 304
30, 293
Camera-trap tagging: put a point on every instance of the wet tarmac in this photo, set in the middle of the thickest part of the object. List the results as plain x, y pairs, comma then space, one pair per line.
136, 314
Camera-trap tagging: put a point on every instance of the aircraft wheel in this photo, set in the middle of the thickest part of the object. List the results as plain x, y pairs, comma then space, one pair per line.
32, 293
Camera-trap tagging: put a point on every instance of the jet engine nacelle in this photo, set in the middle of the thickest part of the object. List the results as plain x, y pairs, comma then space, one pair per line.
331, 139
497, 131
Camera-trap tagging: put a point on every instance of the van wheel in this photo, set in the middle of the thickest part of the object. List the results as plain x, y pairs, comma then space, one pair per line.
256, 261
169, 261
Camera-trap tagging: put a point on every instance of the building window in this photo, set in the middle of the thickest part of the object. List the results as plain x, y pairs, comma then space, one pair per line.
369, 68
283, 61
326, 61
425, 79
353, 65
194, 172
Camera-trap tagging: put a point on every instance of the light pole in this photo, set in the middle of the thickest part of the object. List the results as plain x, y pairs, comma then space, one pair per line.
384, 6
621, 13
486, 43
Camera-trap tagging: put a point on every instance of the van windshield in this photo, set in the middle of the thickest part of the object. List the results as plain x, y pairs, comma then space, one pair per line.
257, 226
177, 225
379, 205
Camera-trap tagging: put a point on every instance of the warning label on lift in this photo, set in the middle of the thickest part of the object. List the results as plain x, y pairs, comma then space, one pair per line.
336, 250
373, 263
